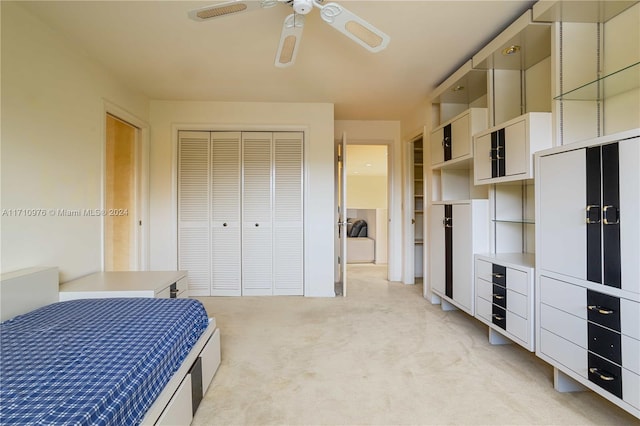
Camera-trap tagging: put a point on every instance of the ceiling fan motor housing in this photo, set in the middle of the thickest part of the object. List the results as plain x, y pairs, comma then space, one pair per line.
302, 6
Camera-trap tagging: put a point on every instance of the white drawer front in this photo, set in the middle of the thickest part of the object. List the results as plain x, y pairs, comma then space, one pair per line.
630, 318
564, 296
164, 294
182, 285
517, 303
518, 281
210, 360
484, 289
179, 410
631, 388
483, 309
566, 353
561, 323
631, 354
484, 270
518, 326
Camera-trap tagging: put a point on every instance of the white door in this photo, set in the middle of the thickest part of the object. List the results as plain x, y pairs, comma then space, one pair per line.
437, 249
516, 157
436, 142
460, 137
463, 256
225, 214
482, 157
257, 232
562, 201
193, 210
288, 247
341, 228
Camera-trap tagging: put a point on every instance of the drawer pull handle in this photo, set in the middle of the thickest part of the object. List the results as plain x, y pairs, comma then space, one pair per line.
600, 309
593, 218
603, 374
498, 317
498, 296
496, 275
174, 291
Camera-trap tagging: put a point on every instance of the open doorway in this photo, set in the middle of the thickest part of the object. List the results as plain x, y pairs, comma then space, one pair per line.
367, 170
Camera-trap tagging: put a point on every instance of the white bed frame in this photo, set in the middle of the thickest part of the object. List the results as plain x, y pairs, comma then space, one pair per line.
28, 289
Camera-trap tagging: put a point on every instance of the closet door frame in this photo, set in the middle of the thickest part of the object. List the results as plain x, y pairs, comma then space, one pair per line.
217, 127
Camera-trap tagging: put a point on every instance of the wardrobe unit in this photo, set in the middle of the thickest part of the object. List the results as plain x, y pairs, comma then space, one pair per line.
240, 212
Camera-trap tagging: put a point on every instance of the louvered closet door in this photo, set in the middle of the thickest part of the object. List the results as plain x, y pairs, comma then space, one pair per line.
193, 210
225, 214
257, 240
288, 255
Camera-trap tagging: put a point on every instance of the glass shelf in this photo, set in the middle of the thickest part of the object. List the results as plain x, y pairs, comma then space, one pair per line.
621, 81
520, 221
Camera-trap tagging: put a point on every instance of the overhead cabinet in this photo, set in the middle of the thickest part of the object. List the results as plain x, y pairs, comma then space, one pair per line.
451, 142
240, 212
505, 153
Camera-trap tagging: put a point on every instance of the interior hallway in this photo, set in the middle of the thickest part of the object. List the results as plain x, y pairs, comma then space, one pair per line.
383, 355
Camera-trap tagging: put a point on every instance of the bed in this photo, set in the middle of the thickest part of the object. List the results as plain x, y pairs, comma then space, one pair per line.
100, 361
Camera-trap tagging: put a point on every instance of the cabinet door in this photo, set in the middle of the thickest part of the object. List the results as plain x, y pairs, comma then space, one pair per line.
287, 214
257, 238
562, 183
225, 214
437, 249
460, 137
516, 156
482, 157
463, 256
437, 149
630, 214
193, 210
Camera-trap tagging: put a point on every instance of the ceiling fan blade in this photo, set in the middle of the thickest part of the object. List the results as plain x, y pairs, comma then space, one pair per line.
354, 27
229, 8
289, 40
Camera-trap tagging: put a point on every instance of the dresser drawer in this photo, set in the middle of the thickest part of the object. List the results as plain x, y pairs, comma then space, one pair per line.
631, 354
484, 289
499, 296
499, 316
518, 304
483, 269
605, 374
518, 281
605, 343
164, 294
564, 296
564, 325
484, 309
631, 387
499, 275
518, 326
182, 285
603, 309
564, 352
630, 318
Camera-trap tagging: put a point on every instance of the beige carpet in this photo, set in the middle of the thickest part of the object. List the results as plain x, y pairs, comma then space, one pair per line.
383, 355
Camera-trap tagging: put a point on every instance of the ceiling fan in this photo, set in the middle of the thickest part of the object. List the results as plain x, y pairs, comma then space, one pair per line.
333, 14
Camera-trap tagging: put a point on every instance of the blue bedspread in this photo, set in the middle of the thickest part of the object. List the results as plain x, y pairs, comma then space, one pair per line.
99, 361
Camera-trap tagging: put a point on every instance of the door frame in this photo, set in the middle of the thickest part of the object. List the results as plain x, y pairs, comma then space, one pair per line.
142, 184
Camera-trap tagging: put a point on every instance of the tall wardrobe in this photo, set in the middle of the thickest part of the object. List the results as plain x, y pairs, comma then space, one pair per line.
240, 212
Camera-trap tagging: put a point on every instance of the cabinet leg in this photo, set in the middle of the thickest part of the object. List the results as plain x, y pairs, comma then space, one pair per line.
564, 383
446, 306
435, 299
496, 338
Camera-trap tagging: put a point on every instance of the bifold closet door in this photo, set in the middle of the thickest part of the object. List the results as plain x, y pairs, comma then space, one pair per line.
193, 210
257, 220
225, 214
288, 256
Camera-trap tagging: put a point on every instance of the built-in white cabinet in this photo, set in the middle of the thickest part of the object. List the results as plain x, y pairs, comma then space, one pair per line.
457, 230
505, 296
240, 212
451, 142
505, 153
588, 274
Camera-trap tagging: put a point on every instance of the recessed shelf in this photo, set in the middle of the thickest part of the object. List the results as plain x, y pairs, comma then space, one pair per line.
621, 81
418, 196
519, 221
419, 211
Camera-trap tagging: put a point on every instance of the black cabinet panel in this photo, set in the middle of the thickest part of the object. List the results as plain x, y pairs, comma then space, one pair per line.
196, 384
605, 343
499, 317
500, 296
603, 309
611, 215
446, 143
499, 275
605, 374
448, 247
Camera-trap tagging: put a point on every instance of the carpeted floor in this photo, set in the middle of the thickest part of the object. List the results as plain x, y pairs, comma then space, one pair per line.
384, 355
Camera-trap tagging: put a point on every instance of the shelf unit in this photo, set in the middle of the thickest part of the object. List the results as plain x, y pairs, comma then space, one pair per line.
418, 206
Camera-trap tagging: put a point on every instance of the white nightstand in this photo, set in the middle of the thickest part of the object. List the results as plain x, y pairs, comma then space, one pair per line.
160, 284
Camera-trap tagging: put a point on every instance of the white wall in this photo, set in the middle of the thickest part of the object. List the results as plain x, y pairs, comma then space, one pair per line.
366, 192
383, 132
53, 103
316, 119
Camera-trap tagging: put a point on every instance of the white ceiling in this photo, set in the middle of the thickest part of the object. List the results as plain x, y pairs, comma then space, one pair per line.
153, 47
